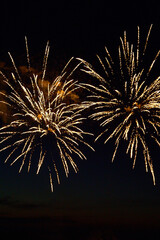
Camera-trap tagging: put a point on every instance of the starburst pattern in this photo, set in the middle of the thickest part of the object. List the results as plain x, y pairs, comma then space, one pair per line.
41, 121
126, 100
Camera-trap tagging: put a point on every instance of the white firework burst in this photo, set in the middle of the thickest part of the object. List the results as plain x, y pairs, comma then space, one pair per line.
126, 101
41, 120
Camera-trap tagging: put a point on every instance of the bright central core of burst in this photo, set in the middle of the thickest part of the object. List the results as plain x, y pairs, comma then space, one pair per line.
129, 108
49, 129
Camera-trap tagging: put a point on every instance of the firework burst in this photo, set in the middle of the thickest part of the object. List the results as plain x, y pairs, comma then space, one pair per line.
41, 121
126, 100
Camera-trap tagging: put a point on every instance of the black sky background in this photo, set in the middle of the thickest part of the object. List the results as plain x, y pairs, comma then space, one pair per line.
104, 200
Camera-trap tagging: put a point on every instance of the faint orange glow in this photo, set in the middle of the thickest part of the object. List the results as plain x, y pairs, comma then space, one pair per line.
4, 109
128, 109
58, 84
74, 97
24, 69
39, 116
138, 105
51, 130
60, 93
2, 64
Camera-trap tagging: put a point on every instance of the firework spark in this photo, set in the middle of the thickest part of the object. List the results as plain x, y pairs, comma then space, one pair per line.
41, 122
127, 100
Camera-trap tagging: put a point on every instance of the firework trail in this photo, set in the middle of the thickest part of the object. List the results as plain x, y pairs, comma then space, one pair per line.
126, 100
41, 123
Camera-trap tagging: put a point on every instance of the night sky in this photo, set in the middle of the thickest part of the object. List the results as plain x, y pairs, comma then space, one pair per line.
103, 200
